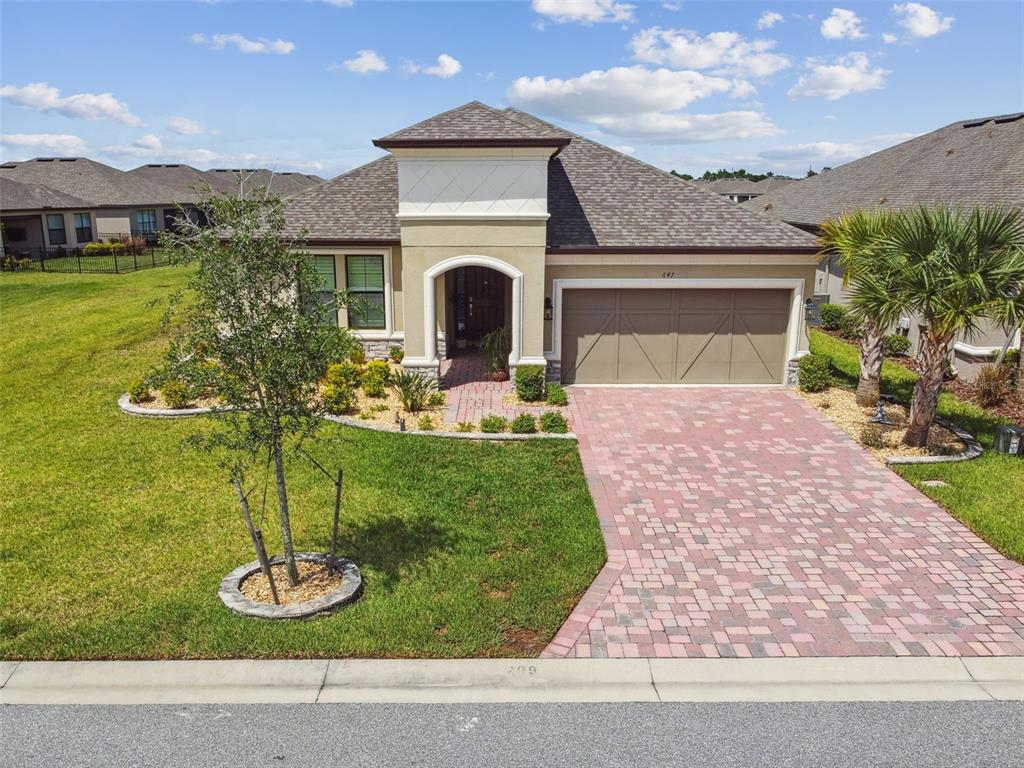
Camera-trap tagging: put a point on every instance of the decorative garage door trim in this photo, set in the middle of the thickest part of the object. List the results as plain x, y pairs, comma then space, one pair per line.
796, 285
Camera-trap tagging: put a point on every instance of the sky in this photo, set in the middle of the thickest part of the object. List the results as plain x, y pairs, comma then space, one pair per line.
306, 85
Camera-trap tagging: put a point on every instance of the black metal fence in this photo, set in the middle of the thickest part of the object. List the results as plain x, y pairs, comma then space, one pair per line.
113, 260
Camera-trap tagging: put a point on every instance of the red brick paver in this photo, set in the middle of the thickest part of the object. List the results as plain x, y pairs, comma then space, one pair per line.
740, 522
472, 395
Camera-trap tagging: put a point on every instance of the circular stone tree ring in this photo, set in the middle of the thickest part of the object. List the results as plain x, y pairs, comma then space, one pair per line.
351, 588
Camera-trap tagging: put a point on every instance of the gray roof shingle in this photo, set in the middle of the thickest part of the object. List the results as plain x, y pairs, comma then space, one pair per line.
597, 198
181, 182
92, 182
473, 122
970, 162
25, 196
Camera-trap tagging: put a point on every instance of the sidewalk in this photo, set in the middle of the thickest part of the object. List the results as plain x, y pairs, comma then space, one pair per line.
513, 680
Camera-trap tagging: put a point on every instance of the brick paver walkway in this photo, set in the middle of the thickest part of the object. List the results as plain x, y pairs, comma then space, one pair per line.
472, 395
740, 522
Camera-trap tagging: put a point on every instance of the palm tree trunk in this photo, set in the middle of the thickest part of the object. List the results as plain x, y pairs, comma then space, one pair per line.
1020, 361
934, 353
282, 508
871, 357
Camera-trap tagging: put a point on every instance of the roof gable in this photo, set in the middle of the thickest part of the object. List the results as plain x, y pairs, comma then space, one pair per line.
473, 124
94, 183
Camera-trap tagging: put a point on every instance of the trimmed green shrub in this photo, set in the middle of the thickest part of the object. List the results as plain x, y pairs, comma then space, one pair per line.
103, 249
493, 423
557, 395
176, 393
524, 424
992, 385
832, 315
850, 328
553, 422
437, 399
530, 383
815, 373
357, 355
376, 376
413, 389
465, 426
895, 345
138, 391
396, 353
425, 423
339, 398
344, 374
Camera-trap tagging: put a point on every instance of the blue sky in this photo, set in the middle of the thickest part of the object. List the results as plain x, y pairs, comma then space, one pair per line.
301, 85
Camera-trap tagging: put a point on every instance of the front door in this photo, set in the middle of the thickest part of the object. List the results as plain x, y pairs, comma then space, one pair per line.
484, 301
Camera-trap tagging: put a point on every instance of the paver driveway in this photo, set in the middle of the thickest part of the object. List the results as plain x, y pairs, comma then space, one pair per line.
740, 522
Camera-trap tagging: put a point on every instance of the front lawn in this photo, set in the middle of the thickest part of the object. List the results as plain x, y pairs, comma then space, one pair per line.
114, 538
987, 494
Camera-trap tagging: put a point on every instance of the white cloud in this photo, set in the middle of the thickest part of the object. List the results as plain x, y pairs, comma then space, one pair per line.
830, 153
62, 144
244, 45
636, 102
848, 74
889, 38
920, 20
339, 3
366, 62
186, 127
88, 106
768, 19
720, 52
672, 6
842, 25
145, 146
625, 149
446, 67
584, 11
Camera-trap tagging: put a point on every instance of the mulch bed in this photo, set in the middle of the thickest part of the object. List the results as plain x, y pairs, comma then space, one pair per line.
314, 581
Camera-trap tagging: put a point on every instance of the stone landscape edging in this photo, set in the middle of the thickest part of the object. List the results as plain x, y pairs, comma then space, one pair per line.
231, 595
126, 405
972, 450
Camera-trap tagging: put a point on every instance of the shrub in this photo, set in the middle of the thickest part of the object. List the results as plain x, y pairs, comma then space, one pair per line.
553, 422
138, 391
103, 249
524, 424
557, 395
437, 399
465, 426
895, 345
425, 423
380, 408
530, 383
357, 355
176, 393
396, 353
497, 346
366, 414
376, 376
493, 423
872, 436
339, 398
850, 328
815, 373
344, 374
832, 315
992, 385
413, 389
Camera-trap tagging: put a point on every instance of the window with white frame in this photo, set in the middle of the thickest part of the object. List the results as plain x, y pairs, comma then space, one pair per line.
328, 284
55, 229
364, 280
145, 221
83, 227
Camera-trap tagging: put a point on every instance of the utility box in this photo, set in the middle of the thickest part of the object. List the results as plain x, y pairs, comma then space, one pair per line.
812, 309
1010, 440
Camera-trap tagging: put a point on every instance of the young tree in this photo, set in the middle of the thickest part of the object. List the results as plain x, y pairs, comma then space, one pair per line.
259, 331
961, 268
869, 273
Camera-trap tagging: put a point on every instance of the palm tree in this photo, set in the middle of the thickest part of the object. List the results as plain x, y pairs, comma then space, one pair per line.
868, 274
960, 269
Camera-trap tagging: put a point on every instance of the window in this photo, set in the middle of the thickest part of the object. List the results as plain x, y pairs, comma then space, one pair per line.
145, 221
83, 227
364, 278
329, 283
55, 225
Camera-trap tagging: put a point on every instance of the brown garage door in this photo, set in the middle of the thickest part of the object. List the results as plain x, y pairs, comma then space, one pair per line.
685, 336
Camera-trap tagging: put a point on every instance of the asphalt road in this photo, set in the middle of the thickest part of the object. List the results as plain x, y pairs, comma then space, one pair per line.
860, 735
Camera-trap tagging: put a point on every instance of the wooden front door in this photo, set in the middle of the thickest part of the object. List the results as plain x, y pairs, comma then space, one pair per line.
484, 301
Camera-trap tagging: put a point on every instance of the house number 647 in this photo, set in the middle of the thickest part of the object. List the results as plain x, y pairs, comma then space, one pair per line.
668, 274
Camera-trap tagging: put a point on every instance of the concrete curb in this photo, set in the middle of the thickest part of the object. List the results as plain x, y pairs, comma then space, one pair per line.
513, 680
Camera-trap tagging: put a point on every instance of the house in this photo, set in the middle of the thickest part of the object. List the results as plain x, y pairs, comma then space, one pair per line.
967, 163
605, 269
741, 190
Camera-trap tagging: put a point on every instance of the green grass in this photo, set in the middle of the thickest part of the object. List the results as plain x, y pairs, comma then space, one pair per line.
115, 538
987, 493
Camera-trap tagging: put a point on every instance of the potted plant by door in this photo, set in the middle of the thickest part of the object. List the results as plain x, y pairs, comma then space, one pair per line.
497, 346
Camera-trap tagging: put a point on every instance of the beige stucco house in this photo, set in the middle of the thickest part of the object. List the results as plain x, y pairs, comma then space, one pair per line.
605, 269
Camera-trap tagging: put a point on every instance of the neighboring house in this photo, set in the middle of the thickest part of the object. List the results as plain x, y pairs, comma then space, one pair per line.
966, 163
741, 190
605, 269
185, 182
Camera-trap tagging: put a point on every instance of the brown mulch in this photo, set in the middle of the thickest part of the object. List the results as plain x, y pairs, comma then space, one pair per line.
314, 581
841, 407
156, 401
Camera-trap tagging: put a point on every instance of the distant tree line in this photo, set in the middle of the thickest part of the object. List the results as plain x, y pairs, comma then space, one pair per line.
741, 173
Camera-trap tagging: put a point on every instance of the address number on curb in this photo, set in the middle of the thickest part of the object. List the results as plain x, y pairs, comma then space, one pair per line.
522, 669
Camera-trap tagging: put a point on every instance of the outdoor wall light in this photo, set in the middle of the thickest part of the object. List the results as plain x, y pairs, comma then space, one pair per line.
547, 307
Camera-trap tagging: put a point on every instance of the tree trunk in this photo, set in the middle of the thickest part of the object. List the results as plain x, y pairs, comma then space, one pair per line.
934, 353
282, 508
1020, 361
871, 357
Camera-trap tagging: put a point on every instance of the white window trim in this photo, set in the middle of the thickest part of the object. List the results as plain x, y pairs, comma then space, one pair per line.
796, 285
387, 333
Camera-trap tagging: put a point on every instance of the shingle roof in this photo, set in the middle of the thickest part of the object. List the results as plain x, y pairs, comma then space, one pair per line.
597, 198
24, 196
92, 182
179, 181
971, 162
256, 180
472, 122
